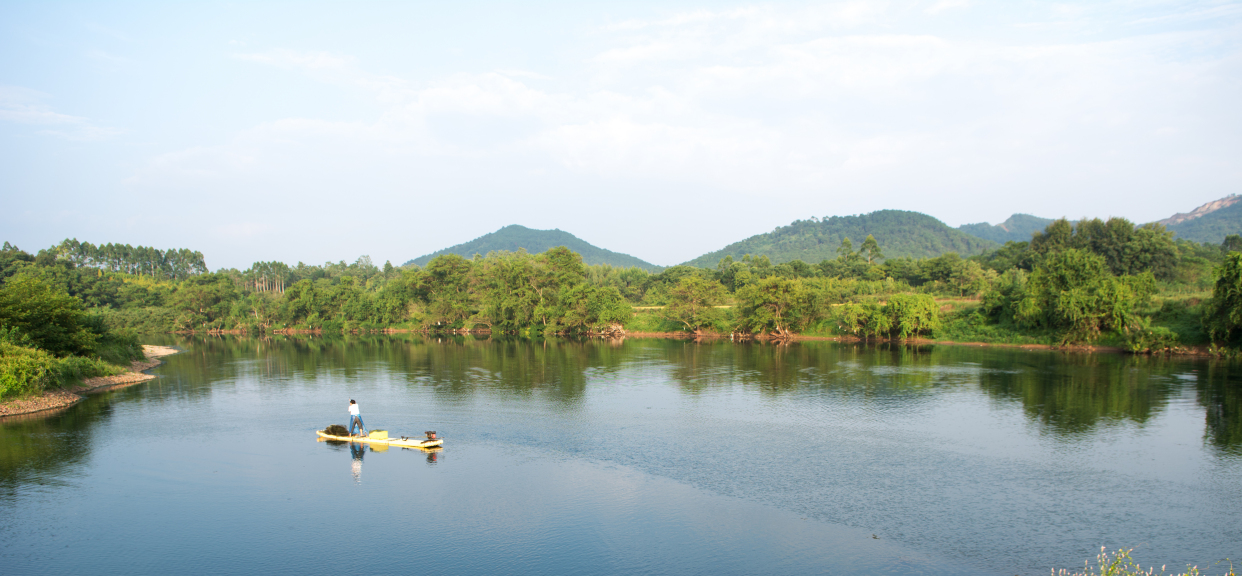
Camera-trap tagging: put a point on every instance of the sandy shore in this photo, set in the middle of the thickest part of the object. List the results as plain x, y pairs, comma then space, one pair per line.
55, 400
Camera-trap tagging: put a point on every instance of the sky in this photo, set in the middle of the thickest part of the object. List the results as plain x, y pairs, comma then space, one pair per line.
314, 132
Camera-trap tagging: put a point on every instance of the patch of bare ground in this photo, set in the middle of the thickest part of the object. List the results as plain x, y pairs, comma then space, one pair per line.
54, 401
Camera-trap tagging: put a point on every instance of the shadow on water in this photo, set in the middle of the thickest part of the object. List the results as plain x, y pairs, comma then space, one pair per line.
47, 449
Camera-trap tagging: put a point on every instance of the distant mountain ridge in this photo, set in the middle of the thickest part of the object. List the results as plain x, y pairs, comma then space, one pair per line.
898, 232
514, 237
1210, 222
1201, 211
1017, 228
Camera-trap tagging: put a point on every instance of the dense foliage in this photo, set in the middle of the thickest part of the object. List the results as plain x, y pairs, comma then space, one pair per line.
516, 238
1086, 281
47, 336
901, 233
1223, 313
140, 260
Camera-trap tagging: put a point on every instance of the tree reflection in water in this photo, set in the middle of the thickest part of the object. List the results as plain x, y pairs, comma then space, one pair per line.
1065, 393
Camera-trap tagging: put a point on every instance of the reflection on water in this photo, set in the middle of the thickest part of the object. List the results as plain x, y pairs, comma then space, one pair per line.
355, 467
1221, 396
47, 450
1064, 393
1001, 460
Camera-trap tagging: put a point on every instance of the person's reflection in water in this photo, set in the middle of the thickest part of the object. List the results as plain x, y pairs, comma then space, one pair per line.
357, 450
433, 457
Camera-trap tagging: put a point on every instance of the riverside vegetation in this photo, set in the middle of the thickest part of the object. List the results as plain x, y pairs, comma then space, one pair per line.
72, 309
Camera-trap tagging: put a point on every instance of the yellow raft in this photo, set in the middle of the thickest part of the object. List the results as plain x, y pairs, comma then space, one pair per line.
380, 438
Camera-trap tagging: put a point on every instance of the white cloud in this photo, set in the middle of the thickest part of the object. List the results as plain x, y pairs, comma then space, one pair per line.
841, 108
25, 106
943, 5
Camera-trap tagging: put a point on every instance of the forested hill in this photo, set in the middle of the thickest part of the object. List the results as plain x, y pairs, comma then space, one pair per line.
1018, 228
513, 237
1207, 223
898, 232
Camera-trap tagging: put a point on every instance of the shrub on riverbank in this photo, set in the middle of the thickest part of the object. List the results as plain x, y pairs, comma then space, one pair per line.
48, 339
25, 371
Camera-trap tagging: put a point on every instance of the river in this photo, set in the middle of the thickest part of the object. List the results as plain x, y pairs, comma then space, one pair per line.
642, 456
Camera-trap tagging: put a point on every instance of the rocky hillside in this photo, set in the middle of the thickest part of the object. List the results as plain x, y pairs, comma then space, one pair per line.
1210, 222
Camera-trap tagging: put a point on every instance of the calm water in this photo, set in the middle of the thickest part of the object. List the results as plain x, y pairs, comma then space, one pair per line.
642, 457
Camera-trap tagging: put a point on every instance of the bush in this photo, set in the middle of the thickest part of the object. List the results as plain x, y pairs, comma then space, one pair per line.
25, 371
1072, 292
904, 316
53, 320
1141, 337
147, 320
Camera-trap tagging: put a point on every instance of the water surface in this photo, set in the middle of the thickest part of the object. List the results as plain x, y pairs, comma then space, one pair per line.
634, 457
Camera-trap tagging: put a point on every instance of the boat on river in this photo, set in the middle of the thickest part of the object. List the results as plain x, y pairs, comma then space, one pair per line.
380, 438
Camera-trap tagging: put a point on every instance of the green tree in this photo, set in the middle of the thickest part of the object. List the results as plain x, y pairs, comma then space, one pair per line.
912, 314
1232, 243
692, 302
583, 308
1057, 236
871, 250
203, 301
772, 304
845, 252
447, 285
1223, 313
46, 317
1073, 291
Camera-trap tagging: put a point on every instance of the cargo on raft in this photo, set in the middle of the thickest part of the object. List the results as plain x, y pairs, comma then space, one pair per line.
380, 438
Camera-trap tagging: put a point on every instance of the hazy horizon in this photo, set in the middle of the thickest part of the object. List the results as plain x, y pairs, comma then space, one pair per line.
324, 131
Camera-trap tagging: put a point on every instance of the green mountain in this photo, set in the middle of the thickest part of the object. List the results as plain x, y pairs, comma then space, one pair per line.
898, 232
1210, 222
513, 237
1018, 228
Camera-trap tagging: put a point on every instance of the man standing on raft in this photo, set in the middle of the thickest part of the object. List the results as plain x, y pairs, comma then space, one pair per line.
354, 418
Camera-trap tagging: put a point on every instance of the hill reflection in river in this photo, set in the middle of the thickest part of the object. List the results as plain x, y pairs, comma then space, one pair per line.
646, 456
1065, 393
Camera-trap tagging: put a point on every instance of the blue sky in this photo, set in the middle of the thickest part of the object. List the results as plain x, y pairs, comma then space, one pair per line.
324, 131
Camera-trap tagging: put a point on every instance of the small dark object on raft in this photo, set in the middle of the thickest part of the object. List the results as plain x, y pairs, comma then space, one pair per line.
337, 430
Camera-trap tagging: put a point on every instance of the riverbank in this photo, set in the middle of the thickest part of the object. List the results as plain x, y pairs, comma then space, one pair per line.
61, 398
1081, 348
1187, 351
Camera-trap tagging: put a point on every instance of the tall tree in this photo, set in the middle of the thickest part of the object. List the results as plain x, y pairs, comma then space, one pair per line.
871, 250
1223, 313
